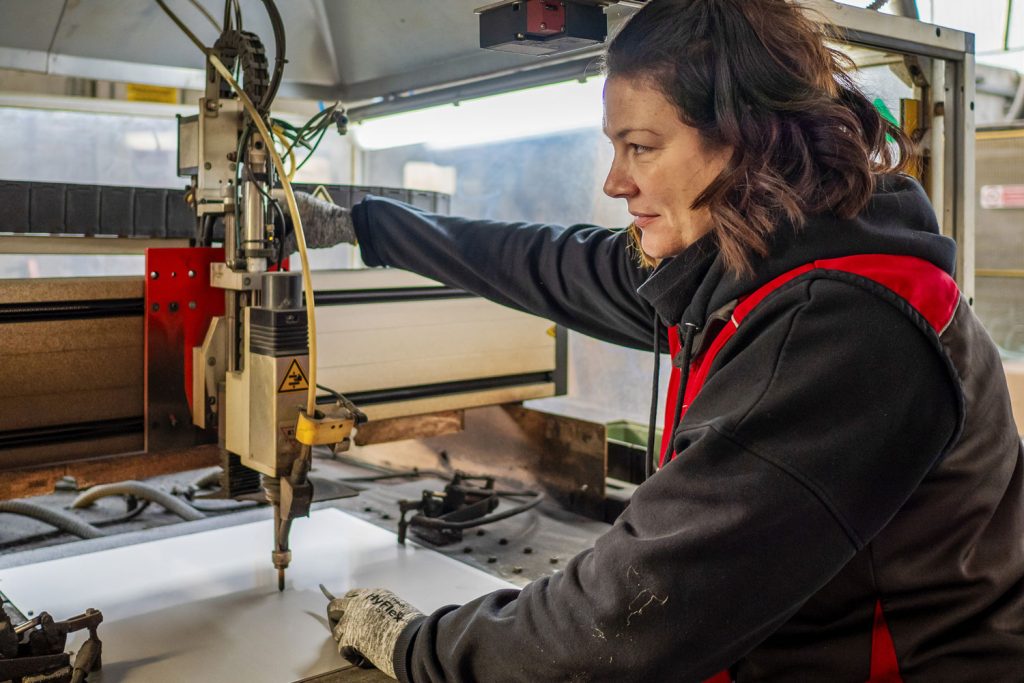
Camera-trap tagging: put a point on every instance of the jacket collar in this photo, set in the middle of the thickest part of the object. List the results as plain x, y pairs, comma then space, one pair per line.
675, 285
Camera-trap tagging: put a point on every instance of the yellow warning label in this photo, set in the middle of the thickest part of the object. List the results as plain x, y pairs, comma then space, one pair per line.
137, 92
294, 379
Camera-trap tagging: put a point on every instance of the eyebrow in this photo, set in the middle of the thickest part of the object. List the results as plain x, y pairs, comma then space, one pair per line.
626, 131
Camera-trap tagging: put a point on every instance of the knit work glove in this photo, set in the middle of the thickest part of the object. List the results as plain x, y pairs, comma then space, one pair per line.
366, 622
324, 224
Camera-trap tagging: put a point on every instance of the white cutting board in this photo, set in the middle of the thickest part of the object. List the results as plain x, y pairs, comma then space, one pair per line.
205, 606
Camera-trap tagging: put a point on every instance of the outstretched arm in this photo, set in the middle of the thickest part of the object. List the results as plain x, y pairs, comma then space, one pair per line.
580, 276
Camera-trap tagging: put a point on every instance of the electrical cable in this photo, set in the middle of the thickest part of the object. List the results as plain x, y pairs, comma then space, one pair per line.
414, 473
649, 467
206, 13
437, 523
1006, 30
132, 513
279, 48
184, 29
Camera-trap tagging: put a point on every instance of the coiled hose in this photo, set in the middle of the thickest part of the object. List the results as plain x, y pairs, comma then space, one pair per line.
62, 520
142, 492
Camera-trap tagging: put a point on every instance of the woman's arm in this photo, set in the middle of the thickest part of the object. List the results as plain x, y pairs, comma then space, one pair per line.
581, 276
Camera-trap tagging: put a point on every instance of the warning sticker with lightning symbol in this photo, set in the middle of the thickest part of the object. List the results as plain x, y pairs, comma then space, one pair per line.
294, 379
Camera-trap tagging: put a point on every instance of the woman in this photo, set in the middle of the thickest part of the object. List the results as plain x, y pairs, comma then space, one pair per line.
841, 495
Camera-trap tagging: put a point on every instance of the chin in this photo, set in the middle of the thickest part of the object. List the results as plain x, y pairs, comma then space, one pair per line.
658, 250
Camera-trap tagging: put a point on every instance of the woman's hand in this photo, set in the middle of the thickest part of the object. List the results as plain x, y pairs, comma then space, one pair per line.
367, 622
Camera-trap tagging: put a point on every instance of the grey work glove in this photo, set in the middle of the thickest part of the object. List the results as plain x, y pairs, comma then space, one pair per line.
366, 622
323, 223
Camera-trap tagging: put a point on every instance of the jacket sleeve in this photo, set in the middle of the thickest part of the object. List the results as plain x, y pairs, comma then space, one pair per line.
825, 412
580, 276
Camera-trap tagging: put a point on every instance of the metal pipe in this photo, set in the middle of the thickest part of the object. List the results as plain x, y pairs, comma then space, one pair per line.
143, 491
56, 518
230, 237
231, 328
252, 217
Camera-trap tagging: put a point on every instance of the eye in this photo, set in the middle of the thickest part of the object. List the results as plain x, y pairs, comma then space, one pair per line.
640, 149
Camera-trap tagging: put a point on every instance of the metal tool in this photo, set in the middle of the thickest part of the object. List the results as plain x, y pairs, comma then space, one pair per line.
34, 649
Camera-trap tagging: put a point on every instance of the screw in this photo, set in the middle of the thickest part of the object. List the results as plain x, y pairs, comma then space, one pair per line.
528, 550
207, 165
191, 305
517, 570
492, 559
211, 105
174, 307
520, 36
543, 26
174, 274
211, 361
210, 400
156, 307
154, 275
191, 273
246, 281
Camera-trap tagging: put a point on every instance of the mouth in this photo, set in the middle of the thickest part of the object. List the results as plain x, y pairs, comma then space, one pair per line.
642, 220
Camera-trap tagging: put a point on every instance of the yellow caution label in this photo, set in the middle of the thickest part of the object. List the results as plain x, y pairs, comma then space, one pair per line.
138, 92
294, 379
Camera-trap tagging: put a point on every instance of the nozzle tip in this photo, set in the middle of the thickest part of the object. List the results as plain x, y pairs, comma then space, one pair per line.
280, 579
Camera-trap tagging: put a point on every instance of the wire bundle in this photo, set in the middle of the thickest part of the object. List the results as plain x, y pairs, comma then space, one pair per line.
308, 136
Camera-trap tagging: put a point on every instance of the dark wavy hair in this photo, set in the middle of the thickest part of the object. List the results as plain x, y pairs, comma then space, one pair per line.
759, 76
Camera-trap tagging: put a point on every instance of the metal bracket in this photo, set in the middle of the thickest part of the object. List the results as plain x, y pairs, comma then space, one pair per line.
223, 277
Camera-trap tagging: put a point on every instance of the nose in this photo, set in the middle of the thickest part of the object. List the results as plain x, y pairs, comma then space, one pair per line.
619, 184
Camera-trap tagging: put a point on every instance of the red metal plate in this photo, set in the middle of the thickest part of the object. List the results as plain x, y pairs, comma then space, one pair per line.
179, 306
544, 17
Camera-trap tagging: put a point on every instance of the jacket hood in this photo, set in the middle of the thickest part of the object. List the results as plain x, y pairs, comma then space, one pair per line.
898, 220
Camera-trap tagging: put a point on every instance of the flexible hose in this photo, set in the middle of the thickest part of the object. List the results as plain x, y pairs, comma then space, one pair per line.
143, 492
61, 520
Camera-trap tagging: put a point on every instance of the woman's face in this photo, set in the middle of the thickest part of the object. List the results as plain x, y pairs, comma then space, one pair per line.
660, 167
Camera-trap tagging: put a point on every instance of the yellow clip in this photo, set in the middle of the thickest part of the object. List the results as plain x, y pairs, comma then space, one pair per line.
322, 431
